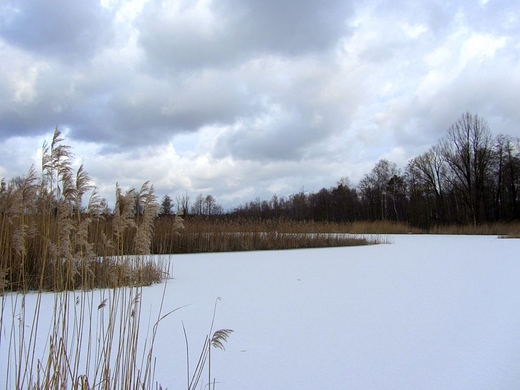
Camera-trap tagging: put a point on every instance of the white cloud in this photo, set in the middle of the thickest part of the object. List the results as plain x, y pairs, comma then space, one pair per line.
24, 85
414, 31
481, 46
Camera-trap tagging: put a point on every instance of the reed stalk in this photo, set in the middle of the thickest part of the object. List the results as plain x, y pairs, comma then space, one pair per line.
49, 242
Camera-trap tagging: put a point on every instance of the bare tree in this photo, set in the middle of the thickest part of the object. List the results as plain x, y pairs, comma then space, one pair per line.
198, 205
183, 203
374, 188
209, 204
206, 205
166, 205
506, 168
430, 169
467, 151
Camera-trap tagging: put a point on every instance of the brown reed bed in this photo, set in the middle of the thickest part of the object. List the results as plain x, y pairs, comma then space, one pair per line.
222, 235
382, 227
509, 230
50, 241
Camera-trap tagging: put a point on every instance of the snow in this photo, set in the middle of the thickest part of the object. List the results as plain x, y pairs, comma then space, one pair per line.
424, 312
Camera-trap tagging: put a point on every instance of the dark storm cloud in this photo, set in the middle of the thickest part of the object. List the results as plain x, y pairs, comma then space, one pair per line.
71, 30
230, 31
46, 47
34, 96
289, 27
149, 111
102, 100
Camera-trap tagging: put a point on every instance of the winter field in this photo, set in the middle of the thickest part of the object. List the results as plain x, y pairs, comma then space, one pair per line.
423, 312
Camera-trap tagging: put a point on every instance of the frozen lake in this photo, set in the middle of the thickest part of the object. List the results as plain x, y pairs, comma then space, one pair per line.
424, 312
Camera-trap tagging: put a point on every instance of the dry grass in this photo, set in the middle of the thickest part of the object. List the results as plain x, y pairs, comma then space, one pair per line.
511, 230
382, 227
93, 342
50, 241
215, 339
213, 235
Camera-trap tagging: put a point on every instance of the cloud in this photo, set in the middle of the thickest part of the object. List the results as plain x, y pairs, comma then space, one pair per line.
190, 35
277, 135
244, 98
71, 31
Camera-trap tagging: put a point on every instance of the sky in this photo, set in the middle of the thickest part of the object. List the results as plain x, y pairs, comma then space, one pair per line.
247, 99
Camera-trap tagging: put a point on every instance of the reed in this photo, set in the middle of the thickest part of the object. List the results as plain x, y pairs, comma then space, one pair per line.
91, 340
50, 241
511, 229
220, 235
382, 227
215, 339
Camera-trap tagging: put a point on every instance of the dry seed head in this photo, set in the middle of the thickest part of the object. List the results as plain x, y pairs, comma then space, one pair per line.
18, 240
94, 204
83, 185
123, 211
220, 337
102, 304
147, 210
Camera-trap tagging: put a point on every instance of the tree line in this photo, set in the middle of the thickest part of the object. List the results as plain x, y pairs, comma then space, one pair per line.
204, 205
468, 177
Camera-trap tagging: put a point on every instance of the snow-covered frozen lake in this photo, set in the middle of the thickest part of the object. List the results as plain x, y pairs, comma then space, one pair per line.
424, 312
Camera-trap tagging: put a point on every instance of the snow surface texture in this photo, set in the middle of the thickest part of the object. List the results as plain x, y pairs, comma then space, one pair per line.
425, 312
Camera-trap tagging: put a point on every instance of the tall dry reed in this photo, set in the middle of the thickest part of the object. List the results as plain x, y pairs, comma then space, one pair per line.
511, 229
50, 241
220, 235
